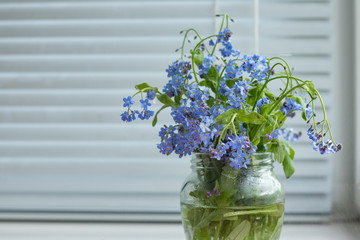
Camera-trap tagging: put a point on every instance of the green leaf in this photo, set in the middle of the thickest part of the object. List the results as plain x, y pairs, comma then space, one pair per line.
310, 89
279, 150
276, 233
269, 94
301, 101
225, 117
177, 99
231, 82
271, 123
291, 150
198, 56
223, 134
265, 109
211, 78
281, 155
145, 87
165, 99
288, 166
211, 101
242, 116
203, 83
227, 184
255, 133
215, 215
256, 141
240, 232
155, 117
202, 234
252, 95
217, 184
272, 210
252, 117
303, 115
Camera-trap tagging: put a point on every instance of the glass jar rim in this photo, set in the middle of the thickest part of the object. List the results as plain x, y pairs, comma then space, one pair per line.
257, 159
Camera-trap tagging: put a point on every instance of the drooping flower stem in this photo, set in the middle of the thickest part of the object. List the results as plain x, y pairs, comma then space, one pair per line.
283, 96
289, 74
193, 67
193, 55
266, 82
325, 117
185, 36
313, 116
221, 27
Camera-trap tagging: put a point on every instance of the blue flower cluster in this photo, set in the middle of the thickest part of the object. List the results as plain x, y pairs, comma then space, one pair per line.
308, 113
206, 64
196, 130
290, 134
178, 72
320, 145
273, 135
222, 85
262, 102
237, 94
256, 66
224, 39
144, 114
289, 107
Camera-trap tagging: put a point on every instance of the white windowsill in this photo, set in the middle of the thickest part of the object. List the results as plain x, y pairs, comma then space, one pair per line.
113, 231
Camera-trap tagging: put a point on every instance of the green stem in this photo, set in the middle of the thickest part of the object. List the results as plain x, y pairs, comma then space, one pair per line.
265, 84
325, 118
144, 90
222, 24
169, 130
281, 59
288, 74
218, 83
183, 44
288, 77
227, 125
240, 213
135, 94
313, 116
284, 95
192, 56
193, 68
218, 229
282, 121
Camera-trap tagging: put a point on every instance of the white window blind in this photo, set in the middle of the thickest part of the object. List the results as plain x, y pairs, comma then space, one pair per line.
65, 67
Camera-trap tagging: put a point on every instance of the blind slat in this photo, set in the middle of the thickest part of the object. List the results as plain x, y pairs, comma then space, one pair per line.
79, 114
125, 165
316, 203
160, 9
159, 45
100, 132
130, 62
97, 149
106, 80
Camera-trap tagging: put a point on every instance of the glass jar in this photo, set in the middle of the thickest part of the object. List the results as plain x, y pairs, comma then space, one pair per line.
220, 202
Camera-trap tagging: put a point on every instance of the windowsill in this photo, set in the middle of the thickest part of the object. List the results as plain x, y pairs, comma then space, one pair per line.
112, 231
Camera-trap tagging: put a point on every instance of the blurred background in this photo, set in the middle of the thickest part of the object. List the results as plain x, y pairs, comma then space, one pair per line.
65, 66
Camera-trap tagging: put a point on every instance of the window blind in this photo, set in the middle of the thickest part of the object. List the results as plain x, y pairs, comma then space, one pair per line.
65, 67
